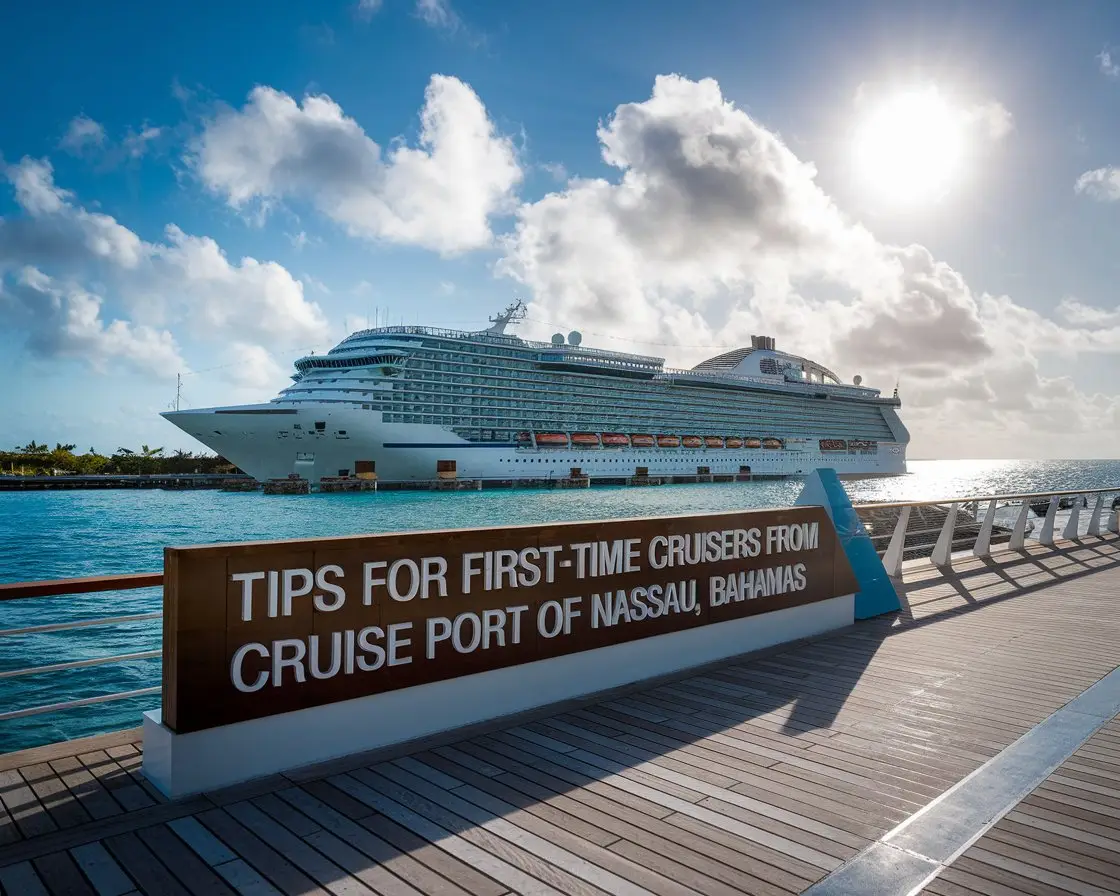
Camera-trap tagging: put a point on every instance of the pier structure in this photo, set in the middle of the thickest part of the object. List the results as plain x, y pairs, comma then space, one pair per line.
964, 743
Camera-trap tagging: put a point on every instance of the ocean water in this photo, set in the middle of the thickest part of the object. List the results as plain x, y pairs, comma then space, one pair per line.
47, 535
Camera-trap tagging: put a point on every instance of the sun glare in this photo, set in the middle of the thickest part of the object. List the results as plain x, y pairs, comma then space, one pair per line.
908, 148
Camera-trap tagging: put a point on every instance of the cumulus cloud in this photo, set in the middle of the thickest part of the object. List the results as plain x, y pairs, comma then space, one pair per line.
439, 195
54, 229
253, 368
65, 320
184, 280
82, 133
1102, 184
713, 229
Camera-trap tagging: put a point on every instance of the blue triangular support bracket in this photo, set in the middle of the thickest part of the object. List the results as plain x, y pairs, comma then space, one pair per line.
877, 594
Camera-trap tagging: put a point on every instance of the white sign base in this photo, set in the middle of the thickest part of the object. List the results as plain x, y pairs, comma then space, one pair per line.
185, 764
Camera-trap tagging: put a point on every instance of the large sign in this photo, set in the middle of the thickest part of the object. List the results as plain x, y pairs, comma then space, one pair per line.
252, 630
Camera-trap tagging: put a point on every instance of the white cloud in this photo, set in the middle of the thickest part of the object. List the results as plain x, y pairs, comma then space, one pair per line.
1102, 184
438, 14
252, 367
136, 143
184, 280
367, 9
1080, 314
1108, 65
54, 229
82, 133
250, 298
64, 321
440, 195
993, 117
713, 229
555, 169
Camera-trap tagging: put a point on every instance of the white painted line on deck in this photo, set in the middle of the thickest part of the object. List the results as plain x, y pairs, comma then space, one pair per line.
907, 858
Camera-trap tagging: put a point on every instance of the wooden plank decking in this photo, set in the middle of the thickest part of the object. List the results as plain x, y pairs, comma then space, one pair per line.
756, 776
1063, 838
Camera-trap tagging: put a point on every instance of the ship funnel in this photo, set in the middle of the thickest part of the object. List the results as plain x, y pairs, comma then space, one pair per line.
765, 343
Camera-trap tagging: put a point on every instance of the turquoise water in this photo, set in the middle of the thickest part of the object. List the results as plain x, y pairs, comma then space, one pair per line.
46, 535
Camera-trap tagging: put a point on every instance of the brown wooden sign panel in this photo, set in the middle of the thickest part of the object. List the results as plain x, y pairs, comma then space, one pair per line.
252, 630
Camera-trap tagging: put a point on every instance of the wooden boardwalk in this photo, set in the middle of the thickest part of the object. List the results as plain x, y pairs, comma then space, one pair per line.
1063, 838
758, 776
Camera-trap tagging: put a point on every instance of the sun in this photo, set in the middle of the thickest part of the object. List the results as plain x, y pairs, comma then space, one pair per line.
908, 148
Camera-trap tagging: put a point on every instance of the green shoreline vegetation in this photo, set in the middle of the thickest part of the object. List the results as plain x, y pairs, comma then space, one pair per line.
38, 459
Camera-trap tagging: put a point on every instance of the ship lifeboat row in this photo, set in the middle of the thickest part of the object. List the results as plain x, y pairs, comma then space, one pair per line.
640, 440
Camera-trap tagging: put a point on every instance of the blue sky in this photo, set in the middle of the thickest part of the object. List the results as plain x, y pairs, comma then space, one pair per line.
213, 189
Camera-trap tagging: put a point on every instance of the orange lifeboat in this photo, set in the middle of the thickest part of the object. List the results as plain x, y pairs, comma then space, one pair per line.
668, 441
642, 441
752, 442
713, 441
552, 440
585, 439
616, 440
692, 442
733, 442
772, 443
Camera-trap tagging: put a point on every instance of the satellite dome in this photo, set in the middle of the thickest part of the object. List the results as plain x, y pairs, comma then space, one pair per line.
857, 379
557, 338
574, 337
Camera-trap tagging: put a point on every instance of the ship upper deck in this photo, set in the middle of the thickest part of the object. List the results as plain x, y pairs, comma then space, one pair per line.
753, 367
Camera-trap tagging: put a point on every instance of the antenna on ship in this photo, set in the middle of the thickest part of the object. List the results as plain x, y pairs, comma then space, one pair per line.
513, 314
178, 391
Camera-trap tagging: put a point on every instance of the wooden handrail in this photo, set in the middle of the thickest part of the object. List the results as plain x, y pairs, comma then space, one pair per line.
87, 585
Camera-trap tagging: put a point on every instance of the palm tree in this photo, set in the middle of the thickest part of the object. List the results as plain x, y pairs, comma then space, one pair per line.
125, 452
150, 452
58, 446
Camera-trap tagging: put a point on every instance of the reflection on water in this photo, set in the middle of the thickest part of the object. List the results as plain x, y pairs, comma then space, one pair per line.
63, 534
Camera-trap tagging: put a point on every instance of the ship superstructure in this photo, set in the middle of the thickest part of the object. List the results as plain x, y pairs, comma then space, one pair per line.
490, 405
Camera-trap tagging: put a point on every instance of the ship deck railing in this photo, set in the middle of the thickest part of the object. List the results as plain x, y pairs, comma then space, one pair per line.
498, 339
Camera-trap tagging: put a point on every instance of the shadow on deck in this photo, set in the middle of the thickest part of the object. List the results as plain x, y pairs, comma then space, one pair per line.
756, 775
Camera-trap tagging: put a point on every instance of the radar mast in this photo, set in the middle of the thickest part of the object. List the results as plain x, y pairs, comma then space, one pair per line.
513, 314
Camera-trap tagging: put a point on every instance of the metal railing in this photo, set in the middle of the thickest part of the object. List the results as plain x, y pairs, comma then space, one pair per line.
888, 524
940, 541
89, 585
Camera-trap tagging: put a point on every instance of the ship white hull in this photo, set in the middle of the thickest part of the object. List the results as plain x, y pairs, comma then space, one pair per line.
264, 441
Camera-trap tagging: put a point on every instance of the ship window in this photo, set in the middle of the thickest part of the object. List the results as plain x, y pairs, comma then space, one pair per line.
320, 425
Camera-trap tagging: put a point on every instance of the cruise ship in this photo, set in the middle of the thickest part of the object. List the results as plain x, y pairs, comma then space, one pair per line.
415, 403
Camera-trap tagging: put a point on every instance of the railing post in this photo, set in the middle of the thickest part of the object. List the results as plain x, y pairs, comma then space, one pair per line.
944, 547
892, 559
983, 546
1019, 534
1095, 516
1046, 536
1070, 531
1114, 521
